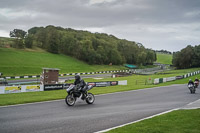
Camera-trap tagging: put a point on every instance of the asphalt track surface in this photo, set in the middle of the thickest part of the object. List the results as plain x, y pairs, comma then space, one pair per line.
108, 111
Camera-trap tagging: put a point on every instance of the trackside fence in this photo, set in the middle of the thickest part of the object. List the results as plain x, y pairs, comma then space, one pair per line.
163, 80
49, 87
135, 71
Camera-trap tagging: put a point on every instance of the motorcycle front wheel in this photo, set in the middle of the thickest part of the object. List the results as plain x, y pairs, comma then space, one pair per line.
90, 98
194, 90
70, 100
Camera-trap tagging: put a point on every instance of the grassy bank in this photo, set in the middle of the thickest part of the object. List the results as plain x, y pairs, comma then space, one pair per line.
134, 82
164, 58
15, 62
6, 41
181, 121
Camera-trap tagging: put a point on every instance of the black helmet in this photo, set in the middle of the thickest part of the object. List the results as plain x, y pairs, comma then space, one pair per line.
77, 77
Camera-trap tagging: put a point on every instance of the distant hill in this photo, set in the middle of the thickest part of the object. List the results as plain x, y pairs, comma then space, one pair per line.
15, 62
164, 58
93, 48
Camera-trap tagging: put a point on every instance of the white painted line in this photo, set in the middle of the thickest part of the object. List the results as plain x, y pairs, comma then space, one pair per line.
193, 102
106, 130
190, 108
25, 76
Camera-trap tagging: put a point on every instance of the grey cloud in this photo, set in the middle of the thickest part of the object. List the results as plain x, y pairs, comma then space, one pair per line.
144, 20
116, 12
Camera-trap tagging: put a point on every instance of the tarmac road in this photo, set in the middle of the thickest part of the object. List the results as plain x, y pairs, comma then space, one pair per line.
108, 110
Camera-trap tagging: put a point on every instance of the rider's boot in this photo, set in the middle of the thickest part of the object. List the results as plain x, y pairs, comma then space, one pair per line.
83, 96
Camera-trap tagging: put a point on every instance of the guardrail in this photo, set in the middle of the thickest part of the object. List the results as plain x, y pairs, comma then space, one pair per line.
136, 71
163, 80
70, 74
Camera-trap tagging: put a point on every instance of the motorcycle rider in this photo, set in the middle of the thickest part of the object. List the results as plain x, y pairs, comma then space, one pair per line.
81, 84
197, 80
191, 82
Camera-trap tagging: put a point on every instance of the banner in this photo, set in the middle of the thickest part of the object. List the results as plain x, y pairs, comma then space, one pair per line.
124, 82
12, 89
53, 87
32, 88
21, 88
103, 84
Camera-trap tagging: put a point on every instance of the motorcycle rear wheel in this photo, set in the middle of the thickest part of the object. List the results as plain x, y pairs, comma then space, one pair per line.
70, 100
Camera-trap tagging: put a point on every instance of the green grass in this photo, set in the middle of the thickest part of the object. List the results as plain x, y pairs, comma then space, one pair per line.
180, 121
134, 82
164, 58
15, 62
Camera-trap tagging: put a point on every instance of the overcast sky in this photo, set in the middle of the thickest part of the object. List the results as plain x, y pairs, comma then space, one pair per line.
157, 24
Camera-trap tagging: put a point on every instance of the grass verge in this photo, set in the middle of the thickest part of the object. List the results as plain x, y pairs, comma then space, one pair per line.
180, 121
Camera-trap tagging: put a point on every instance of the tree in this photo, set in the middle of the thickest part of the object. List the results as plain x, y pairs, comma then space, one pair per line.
196, 57
184, 58
52, 41
19, 35
29, 41
97, 48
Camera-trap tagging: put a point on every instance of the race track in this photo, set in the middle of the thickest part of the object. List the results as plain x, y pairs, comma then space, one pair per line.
107, 111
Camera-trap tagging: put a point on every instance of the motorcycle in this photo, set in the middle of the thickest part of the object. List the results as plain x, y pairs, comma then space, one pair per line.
191, 88
74, 92
196, 84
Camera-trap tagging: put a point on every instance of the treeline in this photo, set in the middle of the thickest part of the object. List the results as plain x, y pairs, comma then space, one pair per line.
93, 48
187, 57
164, 51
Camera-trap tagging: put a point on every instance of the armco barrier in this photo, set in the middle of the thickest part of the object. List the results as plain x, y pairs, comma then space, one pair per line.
156, 81
162, 80
136, 71
170, 79
68, 74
